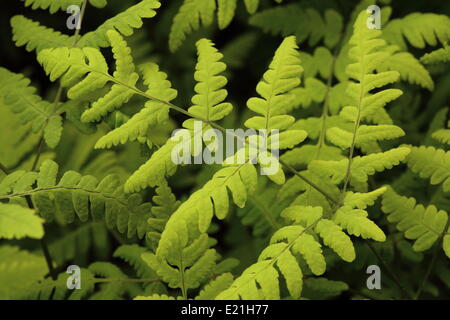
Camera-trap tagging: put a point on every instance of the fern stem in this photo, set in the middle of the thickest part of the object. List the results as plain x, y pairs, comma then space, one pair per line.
312, 184
325, 108
4, 169
183, 285
390, 272
431, 265
38, 153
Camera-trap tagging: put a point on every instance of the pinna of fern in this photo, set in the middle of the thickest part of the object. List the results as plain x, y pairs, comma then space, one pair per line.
349, 217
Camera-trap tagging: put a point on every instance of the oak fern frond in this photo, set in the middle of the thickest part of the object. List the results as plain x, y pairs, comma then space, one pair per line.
54, 6
30, 108
419, 29
188, 18
431, 163
208, 104
74, 195
123, 23
304, 24
425, 225
34, 36
153, 113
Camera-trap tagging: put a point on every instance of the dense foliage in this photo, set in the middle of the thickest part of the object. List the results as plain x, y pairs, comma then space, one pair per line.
88, 176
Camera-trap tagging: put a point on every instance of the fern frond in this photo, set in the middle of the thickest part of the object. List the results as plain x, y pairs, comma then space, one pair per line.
215, 287
78, 244
113, 290
285, 243
313, 91
195, 214
419, 29
363, 200
187, 269
123, 23
17, 139
132, 255
333, 237
409, 68
355, 222
47, 289
282, 76
210, 93
17, 222
208, 104
424, 225
442, 135
191, 14
305, 154
251, 5
34, 36
155, 170
431, 163
29, 107
153, 113
322, 288
166, 204
437, 56
75, 195
70, 65
365, 134
19, 268
225, 12
54, 6
361, 167
303, 23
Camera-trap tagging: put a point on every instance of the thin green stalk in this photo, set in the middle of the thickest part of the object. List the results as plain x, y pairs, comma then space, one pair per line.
183, 285
390, 272
431, 265
4, 169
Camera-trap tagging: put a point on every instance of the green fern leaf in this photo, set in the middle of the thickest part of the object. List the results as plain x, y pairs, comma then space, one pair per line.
251, 5
442, 135
275, 88
75, 195
30, 108
284, 243
409, 68
34, 36
419, 29
363, 200
333, 237
424, 225
17, 222
225, 12
355, 221
123, 23
54, 6
294, 20
132, 255
437, 56
361, 167
431, 163
188, 19
70, 66
152, 114
208, 104
215, 287
19, 269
